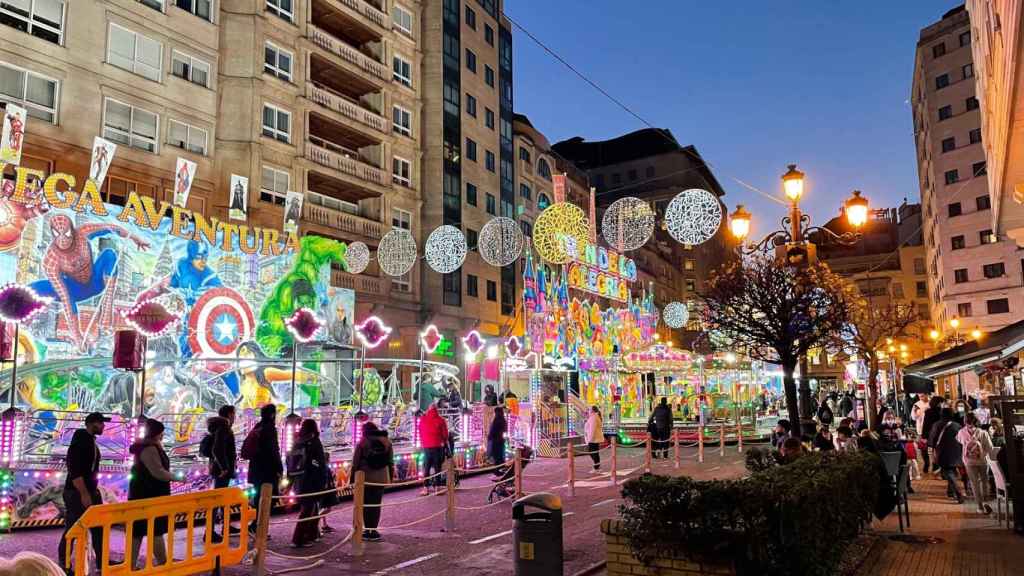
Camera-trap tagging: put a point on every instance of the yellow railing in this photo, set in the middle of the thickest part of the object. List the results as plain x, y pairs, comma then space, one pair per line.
212, 555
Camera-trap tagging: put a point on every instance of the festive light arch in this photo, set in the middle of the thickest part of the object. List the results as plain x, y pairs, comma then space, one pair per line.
396, 252
693, 216
445, 249
500, 241
560, 232
358, 257
628, 223
675, 314
373, 332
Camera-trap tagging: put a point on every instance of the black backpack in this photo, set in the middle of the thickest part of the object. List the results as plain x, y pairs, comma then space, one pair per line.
296, 460
377, 456
206, 446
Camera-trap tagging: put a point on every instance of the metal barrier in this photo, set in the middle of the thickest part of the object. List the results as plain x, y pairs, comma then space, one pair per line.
213, 556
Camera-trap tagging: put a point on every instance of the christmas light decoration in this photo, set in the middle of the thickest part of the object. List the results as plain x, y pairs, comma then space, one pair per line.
373, 332
358, 257
513, 346
150, 318
303, 324
445, 249
560, 232
396, 253
19, 303
500, 242
473, 342
430, 339
693, 216
628, 223
675, 314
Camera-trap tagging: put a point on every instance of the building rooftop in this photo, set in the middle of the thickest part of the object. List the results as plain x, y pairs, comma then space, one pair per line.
625, 148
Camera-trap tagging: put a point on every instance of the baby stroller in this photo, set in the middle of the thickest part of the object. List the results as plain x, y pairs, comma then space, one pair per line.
505, 476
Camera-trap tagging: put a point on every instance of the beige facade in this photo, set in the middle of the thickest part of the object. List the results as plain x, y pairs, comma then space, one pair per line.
974, 268
294, 95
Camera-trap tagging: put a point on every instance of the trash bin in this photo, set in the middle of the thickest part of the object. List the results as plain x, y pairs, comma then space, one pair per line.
537, 536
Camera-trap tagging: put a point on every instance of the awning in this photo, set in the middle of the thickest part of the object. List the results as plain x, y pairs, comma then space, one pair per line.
972, 355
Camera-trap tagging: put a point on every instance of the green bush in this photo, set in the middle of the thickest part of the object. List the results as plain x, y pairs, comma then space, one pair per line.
786, 520
760, 459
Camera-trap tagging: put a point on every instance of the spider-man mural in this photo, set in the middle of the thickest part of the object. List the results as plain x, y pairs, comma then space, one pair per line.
74, 276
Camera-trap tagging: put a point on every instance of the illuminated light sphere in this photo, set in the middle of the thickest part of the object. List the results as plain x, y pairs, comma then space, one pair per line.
445, 249
500, 241
693, 216
396, 253
358, 257
560, 232
628, 223
675, 314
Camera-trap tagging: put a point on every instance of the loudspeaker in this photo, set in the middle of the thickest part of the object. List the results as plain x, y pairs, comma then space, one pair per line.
574, 382
6, 342
128, 350
918, 385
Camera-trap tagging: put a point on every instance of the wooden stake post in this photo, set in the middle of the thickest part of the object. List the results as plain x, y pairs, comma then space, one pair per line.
518, 468
449, 515
700, 444
262, 528
647, 453
615, 460
675, 450
571, 457
721, 440
358, 495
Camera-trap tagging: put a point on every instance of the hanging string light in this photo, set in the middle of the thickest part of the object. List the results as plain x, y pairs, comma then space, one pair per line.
627, 224
358, 257
396, 253
693, 216
675, 314
500, 242
445, 249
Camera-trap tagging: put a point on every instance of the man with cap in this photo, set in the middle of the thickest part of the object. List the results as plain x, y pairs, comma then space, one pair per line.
80, 487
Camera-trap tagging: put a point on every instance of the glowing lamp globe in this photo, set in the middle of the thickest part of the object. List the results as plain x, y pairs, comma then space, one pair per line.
793, 183
955, 323
857, 210
934, 334
739, 222
513, 346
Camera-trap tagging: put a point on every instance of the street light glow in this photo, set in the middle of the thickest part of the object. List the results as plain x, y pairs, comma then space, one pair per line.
793, 183
934, 334
955, 323
739, 222
975, 333
857, 210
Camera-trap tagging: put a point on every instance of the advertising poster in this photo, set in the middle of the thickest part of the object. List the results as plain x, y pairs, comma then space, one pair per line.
238, 207
102, 155
292, 211
184, 173
15, 121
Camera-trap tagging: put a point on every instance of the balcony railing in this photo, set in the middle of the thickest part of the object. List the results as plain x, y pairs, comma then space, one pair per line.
359, 283
347, 52
371, 13
345, 106
343, 221
334, 156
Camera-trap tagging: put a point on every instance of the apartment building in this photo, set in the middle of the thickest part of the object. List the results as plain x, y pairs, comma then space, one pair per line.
318, 96
974, 270
651, 165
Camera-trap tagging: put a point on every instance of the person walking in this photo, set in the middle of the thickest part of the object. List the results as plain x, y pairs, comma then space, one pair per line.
80, 486
661, 418
496, 436
593, 435
151, 478
223, 460
262, 450
948, 452
375, 457
433, 439
308, 465
931, 416
977, 446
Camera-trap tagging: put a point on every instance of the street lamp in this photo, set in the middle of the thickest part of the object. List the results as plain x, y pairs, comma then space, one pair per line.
934, 334
976, 334
857, 209
739, 223
793, 183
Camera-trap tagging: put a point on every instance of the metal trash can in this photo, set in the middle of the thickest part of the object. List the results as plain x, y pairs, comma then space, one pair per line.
537, 536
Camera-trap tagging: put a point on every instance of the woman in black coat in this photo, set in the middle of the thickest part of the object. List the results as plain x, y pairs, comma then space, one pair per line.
931, 416
496, 436
312, 478
151, 478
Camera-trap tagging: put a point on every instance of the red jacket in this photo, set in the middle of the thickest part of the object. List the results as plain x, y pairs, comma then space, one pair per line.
433, 429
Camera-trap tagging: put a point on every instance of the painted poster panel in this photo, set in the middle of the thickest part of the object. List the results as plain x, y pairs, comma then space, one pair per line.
238, 207
12, 139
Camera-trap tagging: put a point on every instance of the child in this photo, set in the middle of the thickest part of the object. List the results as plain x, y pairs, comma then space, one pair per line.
911, 449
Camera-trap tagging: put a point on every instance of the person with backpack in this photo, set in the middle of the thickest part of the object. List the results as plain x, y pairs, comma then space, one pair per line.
949, 453
660, 425
307, 465
375, 457
218, 446
433, 431
263, 452
496, 436
977, 450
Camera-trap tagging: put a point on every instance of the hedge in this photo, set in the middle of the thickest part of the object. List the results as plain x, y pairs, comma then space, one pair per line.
793, 519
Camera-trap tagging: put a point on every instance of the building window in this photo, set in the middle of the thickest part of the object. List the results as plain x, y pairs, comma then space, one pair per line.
489, 160
401, 120
995, 270
986, 237
543, 201
921, 289
544, 169
525, 192
975, 136
983, 202
971, 103
470, 194
402, 18
939, 50
949, 144
135, 53
960, 275
129, 125
472, 282
968, 70
471, 149
919, 266
470, 18
189, 68
491, 205
472, 238
200, 8
691, 285
401, 172
954, 209
276, 123
470, 61
963, 310
401, 219
952, 176
524, 155
275, 185
998, 306
941, 81
489, 118
36, 93
957, 242
187, 137
489, 34
40, 18
452, 288
277, 62
492, 291
281, 9
489, 75
402, 70
470, 105
965, 38
945, 113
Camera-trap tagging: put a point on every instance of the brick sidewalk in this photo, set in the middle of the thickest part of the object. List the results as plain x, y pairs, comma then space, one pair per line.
971, 544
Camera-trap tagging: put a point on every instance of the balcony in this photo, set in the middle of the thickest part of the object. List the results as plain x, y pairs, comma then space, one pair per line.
341, 221
369, 12
348, 53
361, 284
345, 106
350, 170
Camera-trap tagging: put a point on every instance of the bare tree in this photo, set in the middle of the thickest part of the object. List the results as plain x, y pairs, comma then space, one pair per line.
777, 312
871, 322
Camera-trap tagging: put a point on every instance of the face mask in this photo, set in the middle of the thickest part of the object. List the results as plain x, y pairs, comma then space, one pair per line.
961, 410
